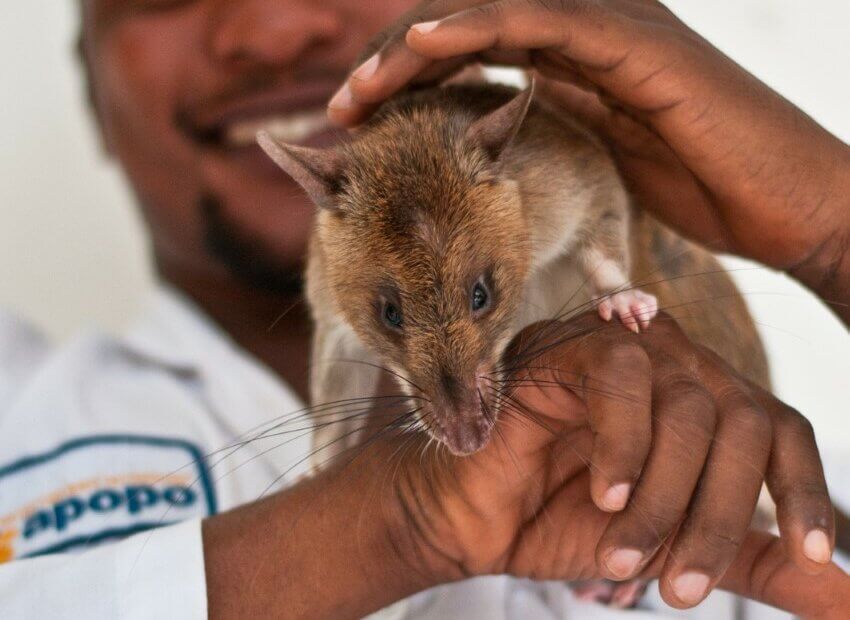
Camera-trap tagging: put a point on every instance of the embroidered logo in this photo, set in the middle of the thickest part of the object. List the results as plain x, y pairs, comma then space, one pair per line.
99, 488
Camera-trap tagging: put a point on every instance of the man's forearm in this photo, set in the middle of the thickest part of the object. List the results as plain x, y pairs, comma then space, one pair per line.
330, 547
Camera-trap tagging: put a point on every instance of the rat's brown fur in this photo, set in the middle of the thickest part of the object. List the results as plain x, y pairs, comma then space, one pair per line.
446, 187
691, 285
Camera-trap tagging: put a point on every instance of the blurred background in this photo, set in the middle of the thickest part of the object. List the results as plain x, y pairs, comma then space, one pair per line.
73, 252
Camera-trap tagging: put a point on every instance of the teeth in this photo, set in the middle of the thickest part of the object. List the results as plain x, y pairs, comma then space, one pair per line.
291, 128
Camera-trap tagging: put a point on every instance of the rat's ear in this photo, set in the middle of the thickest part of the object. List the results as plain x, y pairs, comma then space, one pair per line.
319, 171
495, 131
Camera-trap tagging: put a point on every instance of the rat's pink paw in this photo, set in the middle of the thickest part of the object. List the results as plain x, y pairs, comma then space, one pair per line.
634, 307
628, 593
594, 591
622, 595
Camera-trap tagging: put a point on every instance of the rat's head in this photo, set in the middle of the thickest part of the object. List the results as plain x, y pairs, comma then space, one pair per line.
425, 250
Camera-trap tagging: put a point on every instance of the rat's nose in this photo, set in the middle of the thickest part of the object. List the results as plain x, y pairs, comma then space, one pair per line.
464, 416
465, 397
467, 431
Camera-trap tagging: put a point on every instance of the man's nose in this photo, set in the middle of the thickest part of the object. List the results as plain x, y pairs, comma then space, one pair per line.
271, 33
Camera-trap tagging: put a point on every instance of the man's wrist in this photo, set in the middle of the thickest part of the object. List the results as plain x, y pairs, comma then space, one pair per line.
409, 538
337, 545
829, 277
420, 524
826, 269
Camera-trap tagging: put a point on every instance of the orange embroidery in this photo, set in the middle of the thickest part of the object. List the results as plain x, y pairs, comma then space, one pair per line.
6, 550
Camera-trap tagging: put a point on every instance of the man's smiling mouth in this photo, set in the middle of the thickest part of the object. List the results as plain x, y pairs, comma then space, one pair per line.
294, 114
294, 128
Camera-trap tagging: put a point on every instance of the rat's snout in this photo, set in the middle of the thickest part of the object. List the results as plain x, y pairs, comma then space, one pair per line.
462, 413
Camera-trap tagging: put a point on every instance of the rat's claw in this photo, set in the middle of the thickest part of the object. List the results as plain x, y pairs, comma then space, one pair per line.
606, 309
630, 321
646, 308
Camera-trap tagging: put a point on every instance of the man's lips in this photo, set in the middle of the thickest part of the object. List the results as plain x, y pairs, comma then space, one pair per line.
291, 114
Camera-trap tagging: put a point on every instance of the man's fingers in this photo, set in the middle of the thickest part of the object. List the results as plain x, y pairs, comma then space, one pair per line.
722, 508
352, 103
794, 476
629, 52
616, 390
683, 427
796, 482
380, 76
602, 368
763, 572
586, 32
386, 73
391, 65
578, 40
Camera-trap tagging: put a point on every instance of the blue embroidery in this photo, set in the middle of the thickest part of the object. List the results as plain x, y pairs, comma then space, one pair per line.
135, 499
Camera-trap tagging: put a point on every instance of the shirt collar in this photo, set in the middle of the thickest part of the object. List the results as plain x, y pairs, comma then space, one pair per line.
174, 332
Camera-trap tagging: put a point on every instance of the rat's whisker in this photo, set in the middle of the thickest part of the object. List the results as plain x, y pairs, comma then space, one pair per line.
365, 413
382, 368
392, 425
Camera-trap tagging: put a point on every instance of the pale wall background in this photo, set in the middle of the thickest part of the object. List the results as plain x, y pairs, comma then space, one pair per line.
72, 252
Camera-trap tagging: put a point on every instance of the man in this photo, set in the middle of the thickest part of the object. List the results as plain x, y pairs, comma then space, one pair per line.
104, 439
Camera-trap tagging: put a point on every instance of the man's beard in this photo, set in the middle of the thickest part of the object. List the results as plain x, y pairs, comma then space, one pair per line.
245, 255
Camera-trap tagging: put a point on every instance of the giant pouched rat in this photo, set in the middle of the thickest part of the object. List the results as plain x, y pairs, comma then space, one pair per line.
456, 217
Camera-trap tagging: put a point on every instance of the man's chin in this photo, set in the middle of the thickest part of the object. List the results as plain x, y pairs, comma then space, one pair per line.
246, 256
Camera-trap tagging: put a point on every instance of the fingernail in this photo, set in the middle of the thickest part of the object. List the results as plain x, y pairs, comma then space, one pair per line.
616, 498
690, 588
367, 69
816, 547
342, 98
623, 562
425, 27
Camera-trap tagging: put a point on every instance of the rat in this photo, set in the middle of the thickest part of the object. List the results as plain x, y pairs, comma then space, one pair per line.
455, 217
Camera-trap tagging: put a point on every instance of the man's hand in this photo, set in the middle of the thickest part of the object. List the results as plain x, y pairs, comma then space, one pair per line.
621, 456
703, 144
615, 455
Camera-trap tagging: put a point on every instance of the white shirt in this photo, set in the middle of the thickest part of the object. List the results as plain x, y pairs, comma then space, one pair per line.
103, 480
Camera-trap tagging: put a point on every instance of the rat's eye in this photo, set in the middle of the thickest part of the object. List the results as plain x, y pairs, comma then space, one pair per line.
479, 297
392, 316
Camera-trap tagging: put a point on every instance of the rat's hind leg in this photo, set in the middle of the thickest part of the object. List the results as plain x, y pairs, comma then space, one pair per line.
343, 379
